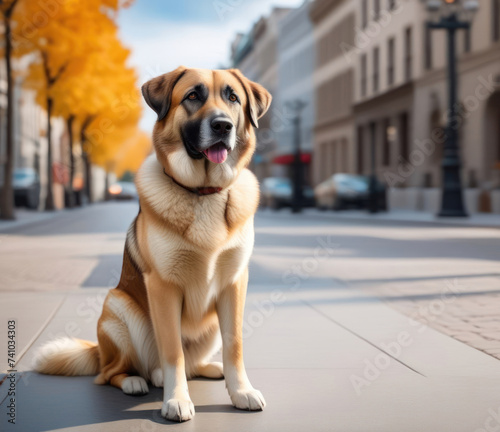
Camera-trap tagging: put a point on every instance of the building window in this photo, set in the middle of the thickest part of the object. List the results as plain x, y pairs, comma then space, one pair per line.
386, 149
376, 56
390, 61
344, 148
364, 13
334, 160
427, 47
336, 41
408, 54
403, 136
363, 75
495, 16
323, 162
376, 9
359, 161
373, 146
467, 40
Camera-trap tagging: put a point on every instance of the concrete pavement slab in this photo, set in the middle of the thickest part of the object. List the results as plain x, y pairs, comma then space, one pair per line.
303, 358
32, 312
297, 400
326, 354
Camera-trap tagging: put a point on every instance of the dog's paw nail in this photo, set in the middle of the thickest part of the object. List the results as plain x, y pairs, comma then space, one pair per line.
134, 385
178, 410
248, 400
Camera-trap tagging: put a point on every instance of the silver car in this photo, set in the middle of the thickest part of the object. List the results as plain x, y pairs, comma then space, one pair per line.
26, 185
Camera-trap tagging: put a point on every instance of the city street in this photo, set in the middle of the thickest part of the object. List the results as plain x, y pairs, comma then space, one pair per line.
350, 325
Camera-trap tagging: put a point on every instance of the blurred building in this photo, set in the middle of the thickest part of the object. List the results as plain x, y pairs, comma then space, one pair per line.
374, 77
387, 64
400, 104
334, 151
295, 61
256, 55
29, 145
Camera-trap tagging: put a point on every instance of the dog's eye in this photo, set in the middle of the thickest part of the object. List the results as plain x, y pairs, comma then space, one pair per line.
233, 98
192, 96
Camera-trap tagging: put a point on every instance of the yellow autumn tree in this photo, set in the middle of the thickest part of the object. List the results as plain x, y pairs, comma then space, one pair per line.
64, 43
110, 112
132, 153
81, 97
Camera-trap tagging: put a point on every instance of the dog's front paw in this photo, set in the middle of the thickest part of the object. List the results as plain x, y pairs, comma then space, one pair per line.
178, 410
251, 400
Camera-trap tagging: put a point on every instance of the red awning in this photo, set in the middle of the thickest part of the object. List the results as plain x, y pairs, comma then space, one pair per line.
289, 158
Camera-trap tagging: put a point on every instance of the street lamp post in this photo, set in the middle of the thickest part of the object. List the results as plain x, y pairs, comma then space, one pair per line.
451, 15
297, 176
373, 193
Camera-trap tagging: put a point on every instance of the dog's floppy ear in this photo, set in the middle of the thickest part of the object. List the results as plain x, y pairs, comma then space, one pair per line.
158, 91
258, 97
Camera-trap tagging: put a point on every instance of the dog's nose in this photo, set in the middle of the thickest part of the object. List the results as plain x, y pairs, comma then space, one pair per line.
221, 125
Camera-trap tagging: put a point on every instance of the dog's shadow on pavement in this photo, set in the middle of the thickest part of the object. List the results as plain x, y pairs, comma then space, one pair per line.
54, 402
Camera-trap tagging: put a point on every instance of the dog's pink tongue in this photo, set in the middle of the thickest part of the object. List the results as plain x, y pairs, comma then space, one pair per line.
217, 153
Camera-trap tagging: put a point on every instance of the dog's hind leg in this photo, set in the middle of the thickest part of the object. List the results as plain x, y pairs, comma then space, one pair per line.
198, 354
131, 385
210, 370
120, 365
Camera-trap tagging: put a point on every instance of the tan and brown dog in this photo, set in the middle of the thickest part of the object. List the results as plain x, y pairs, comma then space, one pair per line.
185, 265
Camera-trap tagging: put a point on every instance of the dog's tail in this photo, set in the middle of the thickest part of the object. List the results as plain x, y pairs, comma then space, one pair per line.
67, 356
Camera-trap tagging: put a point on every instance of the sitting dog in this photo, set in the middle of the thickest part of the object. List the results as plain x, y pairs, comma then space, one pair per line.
185, 265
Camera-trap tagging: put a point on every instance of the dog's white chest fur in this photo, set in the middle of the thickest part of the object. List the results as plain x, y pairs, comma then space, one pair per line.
190, 243
200, 272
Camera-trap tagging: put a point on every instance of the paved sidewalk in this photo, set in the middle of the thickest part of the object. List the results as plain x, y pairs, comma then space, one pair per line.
467, 309
446, 277
326, 353
474, 220
334, 360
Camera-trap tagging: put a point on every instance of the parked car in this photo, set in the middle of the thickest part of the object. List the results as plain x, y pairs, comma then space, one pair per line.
123, 191
26, 185
277, 192
342, 191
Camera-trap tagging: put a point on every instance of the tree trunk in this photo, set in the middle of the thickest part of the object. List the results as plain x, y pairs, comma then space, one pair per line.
88, 177
106, 187
49, 200
88, 165
86, 159
7, 196
69, 190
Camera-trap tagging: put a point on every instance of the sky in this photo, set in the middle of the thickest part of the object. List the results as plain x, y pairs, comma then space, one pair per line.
164, 34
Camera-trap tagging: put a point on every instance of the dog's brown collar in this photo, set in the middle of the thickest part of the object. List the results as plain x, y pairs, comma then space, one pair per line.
200, 191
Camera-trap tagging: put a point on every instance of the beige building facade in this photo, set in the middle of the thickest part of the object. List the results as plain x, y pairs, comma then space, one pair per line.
334, 22
380, 96
256, 55
401, 99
